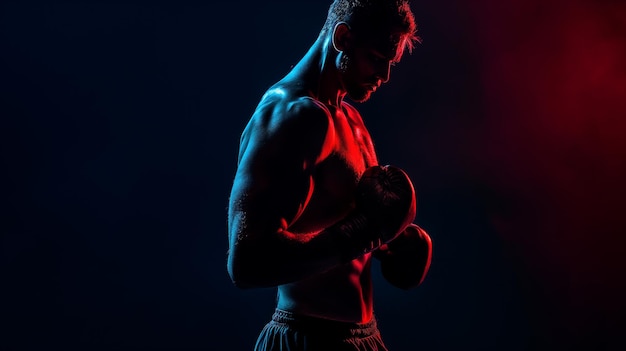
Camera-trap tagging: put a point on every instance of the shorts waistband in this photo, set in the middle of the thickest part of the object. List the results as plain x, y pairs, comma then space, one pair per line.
327, 327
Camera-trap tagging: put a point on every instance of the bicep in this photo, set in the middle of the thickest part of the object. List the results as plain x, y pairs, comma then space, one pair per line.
266, 196
273, 181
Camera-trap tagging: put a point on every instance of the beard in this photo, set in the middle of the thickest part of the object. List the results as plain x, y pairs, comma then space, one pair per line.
358, 92
355, 90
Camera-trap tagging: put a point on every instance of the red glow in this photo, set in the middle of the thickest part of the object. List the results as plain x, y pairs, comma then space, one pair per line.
554, 80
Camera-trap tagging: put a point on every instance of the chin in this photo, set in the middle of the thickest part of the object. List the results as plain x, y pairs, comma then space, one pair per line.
359, 96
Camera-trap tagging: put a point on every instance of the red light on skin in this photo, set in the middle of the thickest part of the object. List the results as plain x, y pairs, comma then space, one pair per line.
370, 87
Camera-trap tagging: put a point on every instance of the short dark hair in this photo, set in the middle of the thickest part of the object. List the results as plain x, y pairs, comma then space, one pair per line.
373, 16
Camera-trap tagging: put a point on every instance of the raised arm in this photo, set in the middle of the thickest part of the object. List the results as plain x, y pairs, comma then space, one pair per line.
272, 186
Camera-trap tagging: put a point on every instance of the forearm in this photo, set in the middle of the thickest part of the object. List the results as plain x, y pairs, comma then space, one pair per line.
284, 257
265, 253
274, 259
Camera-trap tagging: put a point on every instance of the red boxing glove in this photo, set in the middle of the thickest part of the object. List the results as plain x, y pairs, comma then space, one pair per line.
405, 261
386, 196
385, 205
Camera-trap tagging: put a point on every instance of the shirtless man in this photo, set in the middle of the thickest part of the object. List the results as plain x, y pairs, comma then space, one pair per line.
310, 205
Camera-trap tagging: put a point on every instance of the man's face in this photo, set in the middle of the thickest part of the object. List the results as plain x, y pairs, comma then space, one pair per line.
369, 65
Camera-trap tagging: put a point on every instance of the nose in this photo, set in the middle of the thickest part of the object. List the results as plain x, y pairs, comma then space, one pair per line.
384, 72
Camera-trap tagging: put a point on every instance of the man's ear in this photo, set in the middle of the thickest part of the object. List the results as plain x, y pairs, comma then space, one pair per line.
341, 36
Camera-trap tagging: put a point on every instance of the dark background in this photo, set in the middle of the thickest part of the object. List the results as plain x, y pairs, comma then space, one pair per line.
119, 136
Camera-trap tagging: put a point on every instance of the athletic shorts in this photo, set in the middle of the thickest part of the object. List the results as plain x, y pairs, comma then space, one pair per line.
290, 332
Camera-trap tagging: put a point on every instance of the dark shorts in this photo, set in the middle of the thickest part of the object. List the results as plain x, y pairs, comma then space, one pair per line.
289, 332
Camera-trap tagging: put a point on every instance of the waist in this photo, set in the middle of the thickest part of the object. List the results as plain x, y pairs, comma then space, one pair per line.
327, 327
343, 293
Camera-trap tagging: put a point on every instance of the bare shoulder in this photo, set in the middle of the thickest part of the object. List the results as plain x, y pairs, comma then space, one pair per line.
279, 108
284, 119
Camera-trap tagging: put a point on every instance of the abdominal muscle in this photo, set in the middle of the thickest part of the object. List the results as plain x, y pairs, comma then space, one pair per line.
343, 293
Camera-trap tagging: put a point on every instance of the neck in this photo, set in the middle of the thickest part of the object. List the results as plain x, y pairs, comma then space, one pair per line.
317, 69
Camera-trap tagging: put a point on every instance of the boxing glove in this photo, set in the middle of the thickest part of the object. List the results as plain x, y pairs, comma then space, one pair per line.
385, 205
405, 261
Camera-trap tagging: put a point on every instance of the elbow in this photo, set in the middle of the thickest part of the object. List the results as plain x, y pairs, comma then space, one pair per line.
234, 276
246, 274
241, 283
253, 264
238, 280
238, 276
238, 266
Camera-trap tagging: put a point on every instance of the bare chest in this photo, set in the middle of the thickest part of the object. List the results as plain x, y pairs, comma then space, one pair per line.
354, 144
338, 175
335, 178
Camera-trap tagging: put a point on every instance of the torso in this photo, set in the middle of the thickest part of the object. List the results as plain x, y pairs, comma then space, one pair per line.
344, 292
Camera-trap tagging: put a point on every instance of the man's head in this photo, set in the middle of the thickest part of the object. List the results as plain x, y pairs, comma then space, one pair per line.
369, 36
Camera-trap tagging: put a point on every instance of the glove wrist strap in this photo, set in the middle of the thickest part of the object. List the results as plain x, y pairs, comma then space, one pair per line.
355, 236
